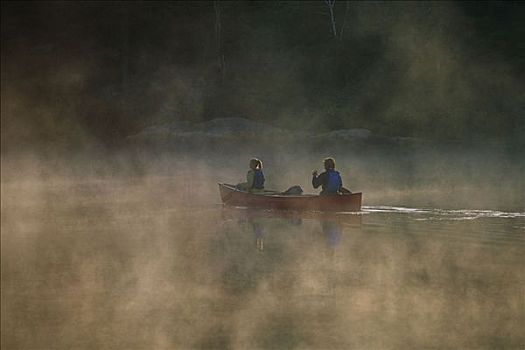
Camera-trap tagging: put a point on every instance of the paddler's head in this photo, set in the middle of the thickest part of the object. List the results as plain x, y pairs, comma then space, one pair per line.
255, 164
329, 163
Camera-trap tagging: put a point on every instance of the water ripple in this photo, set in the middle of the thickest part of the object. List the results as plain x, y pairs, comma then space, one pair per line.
444, 214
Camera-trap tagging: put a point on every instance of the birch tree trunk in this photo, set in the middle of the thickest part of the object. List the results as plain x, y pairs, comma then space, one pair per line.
331, 4
344, 20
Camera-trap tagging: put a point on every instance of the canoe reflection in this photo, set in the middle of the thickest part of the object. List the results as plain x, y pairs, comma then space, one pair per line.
258, 220
291, 216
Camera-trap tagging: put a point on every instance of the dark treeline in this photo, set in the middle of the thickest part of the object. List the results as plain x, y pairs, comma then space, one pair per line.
77, 72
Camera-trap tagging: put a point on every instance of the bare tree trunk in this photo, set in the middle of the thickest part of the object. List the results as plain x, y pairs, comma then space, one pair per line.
331, 4
218, 30
344, 20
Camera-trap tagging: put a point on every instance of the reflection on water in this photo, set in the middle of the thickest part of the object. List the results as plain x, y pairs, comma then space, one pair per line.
332, 231
86, 266
331, 224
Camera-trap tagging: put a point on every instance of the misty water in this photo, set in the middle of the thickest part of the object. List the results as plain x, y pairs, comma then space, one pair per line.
127, 263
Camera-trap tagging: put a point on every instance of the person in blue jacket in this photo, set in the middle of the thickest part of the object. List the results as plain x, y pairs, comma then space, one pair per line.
330, 180
254, 177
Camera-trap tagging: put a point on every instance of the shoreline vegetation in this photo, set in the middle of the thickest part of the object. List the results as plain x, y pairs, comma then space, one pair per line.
96, 73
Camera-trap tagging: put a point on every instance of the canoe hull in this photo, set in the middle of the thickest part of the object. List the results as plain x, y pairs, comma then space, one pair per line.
341, 203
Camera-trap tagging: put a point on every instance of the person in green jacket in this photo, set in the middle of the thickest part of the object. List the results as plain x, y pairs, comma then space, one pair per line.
254, 177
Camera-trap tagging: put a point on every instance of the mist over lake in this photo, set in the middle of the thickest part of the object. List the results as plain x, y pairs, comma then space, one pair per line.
97, 256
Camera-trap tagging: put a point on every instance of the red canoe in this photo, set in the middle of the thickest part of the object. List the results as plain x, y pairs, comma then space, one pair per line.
341, 203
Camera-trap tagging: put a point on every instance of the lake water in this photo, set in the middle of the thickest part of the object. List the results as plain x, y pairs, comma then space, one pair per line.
127, 265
